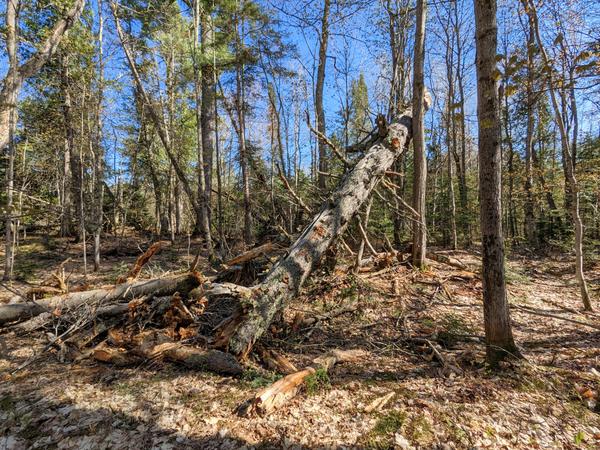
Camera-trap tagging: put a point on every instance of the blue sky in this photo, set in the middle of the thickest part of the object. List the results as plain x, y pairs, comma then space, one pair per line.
358, 44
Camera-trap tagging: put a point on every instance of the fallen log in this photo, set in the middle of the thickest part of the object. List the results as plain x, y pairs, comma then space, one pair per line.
19, 311
289, 274
272, 397
128, 350
443, 259
122, 292
534, 312
200, 359
251, 254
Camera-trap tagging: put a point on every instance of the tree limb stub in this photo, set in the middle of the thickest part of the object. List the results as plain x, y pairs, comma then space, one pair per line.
141, 262
272, 397
289, 274
251, 254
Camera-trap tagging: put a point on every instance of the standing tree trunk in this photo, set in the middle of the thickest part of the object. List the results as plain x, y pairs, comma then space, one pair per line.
465, 217
66, 226
208, 117
555, 222
12, 20
202, 214
530, 234
498, 332
451, 202
75, 183
319, 110
399, 17
68, 194
98, 148
451, 136
240, 105
420, 161
511, 210
567, 150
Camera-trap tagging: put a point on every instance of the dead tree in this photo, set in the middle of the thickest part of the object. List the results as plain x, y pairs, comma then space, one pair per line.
98, 297
285, 279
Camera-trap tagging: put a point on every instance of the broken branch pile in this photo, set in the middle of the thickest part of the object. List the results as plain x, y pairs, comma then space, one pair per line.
211, 312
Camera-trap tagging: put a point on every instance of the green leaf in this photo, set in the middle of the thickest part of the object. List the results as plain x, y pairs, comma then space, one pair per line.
579, 438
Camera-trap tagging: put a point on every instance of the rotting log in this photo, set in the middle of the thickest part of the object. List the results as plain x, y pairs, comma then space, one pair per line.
200, 359
97, 297
128, 350
274, 396
289, 274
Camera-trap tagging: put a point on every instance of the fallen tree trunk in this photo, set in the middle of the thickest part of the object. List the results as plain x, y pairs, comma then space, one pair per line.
122, 292
289, 274
19, 311
444, 259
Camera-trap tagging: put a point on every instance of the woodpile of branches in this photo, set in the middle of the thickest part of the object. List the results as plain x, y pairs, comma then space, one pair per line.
166, 318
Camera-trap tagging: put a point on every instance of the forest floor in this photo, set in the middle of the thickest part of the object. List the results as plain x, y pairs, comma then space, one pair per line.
444, 399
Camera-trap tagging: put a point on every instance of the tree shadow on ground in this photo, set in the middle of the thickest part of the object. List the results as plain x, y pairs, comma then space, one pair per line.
31, 420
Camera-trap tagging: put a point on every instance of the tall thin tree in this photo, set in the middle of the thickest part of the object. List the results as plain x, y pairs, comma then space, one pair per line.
420, 161
320, 84
568, 154
498, 331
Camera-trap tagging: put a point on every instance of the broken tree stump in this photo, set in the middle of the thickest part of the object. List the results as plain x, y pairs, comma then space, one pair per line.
272, 397
140, 263
250, 254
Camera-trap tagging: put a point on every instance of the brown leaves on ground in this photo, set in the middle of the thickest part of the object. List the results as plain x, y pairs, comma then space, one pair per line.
422, 382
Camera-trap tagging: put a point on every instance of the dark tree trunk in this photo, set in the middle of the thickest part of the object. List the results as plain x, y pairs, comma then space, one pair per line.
207, 123
498, 332
320, 112
76, 182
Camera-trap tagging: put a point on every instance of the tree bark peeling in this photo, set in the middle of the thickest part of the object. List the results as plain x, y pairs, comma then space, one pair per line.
289, 274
